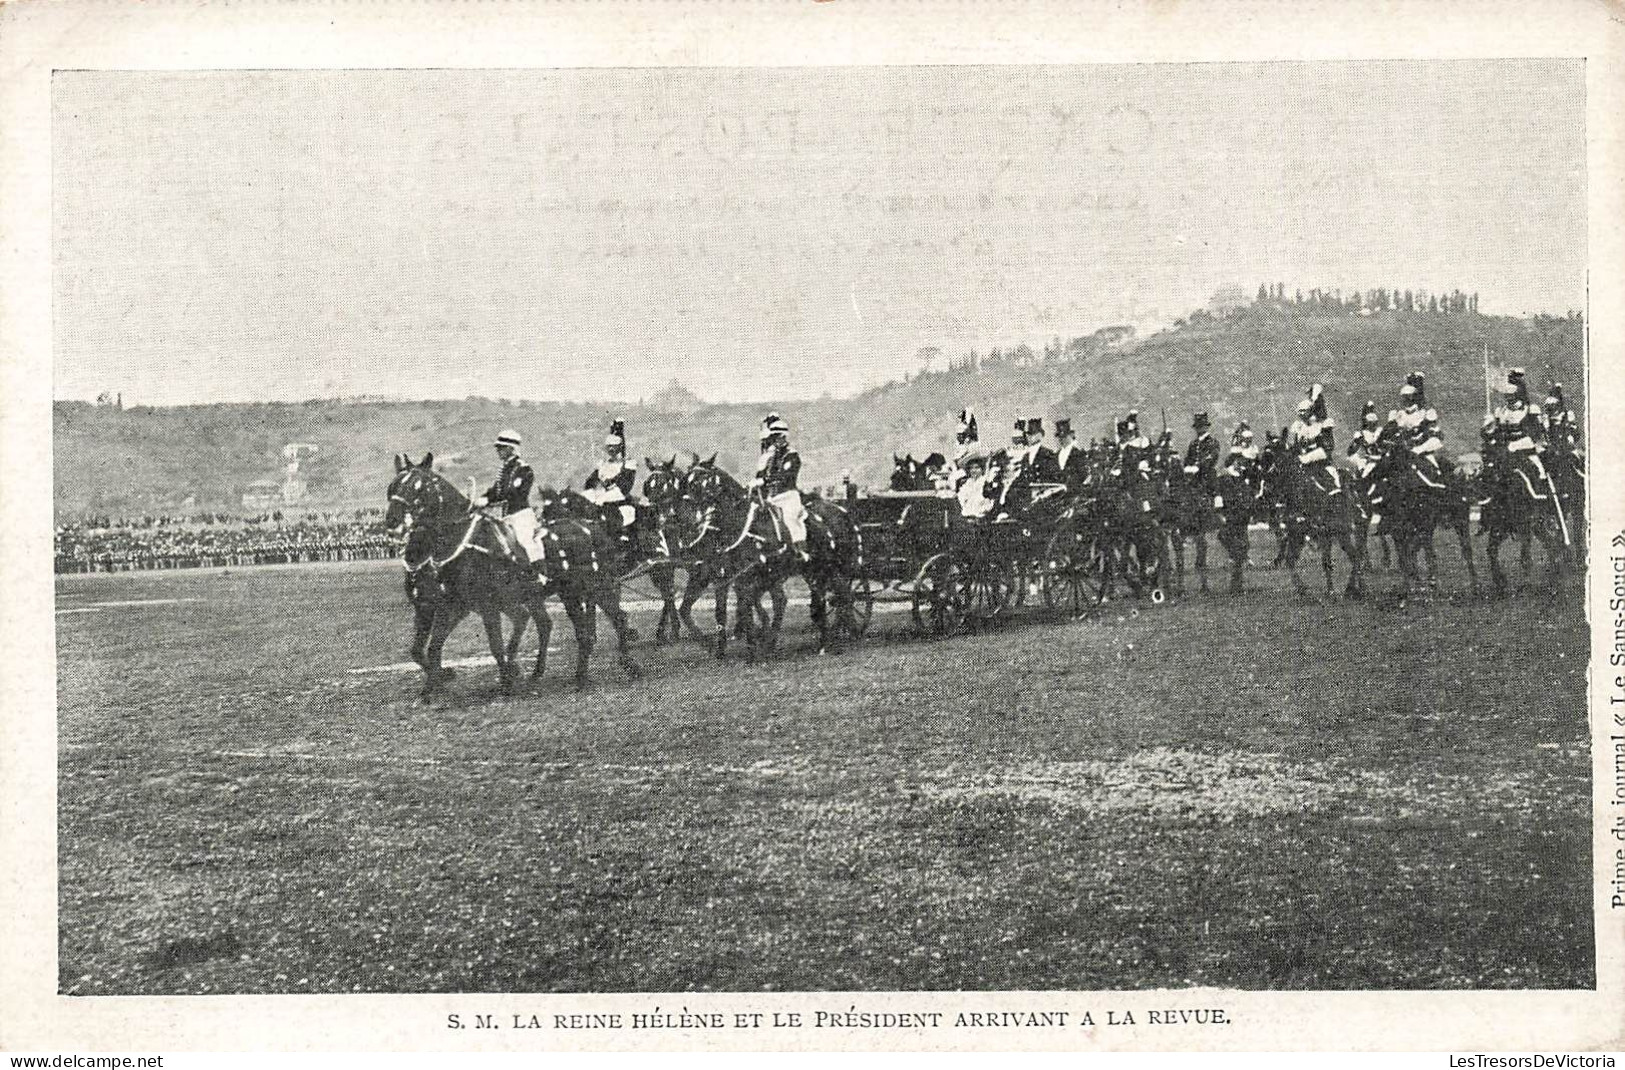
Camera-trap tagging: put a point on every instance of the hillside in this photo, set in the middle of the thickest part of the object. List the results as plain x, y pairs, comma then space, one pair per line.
141, 459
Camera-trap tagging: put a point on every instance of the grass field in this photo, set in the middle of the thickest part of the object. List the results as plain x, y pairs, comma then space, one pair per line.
1254, 792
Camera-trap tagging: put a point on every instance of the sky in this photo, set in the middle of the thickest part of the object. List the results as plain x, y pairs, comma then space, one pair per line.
764, 233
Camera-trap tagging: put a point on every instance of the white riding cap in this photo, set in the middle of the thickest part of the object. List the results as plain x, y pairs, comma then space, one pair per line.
509, 437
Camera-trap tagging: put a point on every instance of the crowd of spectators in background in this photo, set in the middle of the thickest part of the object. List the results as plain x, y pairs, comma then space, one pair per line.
215, 540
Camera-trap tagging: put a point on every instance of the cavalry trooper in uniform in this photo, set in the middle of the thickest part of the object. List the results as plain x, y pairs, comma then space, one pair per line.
776, 472
1202, 457
1309, 439
1365, 449
1242, 445
1562, 429
1070, 458
509, 497
1418, 427
609, 486
1134, 448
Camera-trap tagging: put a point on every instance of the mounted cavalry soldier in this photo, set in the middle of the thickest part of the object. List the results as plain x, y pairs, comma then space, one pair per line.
1309, 439
609, 486
1562, 429
509, 497
1070, 458
1418, 428
1365, 449
777, 470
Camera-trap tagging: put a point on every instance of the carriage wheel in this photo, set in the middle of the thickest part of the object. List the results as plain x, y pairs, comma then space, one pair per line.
937, 608
863, 606
1074, 573
987, 593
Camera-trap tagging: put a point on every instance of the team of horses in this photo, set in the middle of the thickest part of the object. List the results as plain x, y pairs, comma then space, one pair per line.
1136, 520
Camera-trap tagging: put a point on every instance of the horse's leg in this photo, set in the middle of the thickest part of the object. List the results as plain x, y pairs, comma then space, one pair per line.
422, 625
521, 620
1293, 549
544, 633
721, 609
1432, 556
699, 578
1176, 541
492, 619
1326, 540
664, 578
1464, 535
1201, 558
445, 622
584, 618
817, 607
608, 599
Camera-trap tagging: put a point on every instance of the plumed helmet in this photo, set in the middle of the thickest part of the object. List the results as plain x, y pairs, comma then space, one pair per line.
1317, 402
1417, 382
1368, 414
967, 427
1554, 397
509, 437
1019, 434
617, 434
1516, 389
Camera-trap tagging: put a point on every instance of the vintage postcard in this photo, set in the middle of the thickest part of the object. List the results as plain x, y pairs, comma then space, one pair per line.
813, 526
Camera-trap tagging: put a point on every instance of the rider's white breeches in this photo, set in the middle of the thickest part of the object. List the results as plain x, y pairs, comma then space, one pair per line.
793, 511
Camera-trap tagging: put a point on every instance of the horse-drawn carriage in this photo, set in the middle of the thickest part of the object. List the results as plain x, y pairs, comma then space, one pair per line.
951, 571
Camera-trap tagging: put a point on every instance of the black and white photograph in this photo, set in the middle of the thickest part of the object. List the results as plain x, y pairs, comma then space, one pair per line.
827, 528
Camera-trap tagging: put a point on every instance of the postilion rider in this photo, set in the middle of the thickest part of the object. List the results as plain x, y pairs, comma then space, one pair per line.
509, 497
777, 469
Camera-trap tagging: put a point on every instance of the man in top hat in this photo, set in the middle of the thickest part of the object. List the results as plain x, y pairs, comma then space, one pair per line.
1562, 429
777, 470
1042, 465
1202, 457
1070, 458
1310, 440
1009, 468
509, 496
609, 486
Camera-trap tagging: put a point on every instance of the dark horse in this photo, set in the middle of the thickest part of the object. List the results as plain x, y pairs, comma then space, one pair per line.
645, 547
477, 568
1521, 500
1185, 510
1416, 499
1318, 508
741, 537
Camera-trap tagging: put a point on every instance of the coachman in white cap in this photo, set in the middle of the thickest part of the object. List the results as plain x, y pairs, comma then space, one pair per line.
509, 496
609, 486
776, 473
